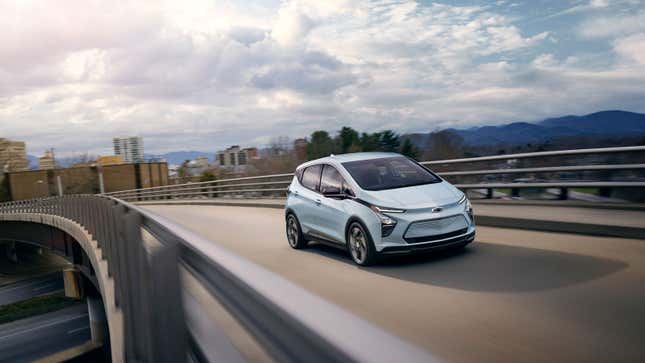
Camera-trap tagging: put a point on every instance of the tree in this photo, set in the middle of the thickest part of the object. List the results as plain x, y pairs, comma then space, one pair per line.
408, 149
279, 145
370, 142
4, 188
389, 141
320, 144
348, 139
182, 172
443, 145
207, 175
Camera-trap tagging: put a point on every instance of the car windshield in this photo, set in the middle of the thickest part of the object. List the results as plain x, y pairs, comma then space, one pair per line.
389, 173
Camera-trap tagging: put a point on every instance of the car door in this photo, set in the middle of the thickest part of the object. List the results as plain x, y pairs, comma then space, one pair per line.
332, 212
310, 198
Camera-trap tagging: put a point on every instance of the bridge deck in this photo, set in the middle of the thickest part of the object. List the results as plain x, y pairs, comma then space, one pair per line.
512, 296
603, 221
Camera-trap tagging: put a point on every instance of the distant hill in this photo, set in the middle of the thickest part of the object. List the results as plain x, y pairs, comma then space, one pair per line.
600, 124
178, 157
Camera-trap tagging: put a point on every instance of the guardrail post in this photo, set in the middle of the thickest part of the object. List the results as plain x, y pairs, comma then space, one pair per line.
515, 192
564, 194
168, 339
489, 193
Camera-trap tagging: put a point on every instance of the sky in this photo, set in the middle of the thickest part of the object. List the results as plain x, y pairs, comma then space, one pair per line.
202, 75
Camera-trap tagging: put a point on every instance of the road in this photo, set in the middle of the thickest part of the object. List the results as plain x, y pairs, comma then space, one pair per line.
40, 336
31, 288
511, 296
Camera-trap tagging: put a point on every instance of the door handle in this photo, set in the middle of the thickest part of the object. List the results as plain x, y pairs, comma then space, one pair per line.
317, 201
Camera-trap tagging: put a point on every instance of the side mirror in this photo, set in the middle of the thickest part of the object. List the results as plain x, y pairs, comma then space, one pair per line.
333, 193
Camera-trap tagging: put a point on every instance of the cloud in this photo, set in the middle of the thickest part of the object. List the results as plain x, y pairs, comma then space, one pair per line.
204, 74
613, 25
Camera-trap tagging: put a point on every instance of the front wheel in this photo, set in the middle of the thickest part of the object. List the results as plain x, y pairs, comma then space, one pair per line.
294, 233
360, 245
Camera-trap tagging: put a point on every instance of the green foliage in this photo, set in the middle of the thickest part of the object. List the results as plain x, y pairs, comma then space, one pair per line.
207, 176
389, 141
5, 195
348, 139
36, 306
408, 149
320, 145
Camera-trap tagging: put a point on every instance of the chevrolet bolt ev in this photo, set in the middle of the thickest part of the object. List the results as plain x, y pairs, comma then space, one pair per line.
375, 204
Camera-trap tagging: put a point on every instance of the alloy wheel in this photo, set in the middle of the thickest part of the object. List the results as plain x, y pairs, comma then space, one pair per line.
358, 244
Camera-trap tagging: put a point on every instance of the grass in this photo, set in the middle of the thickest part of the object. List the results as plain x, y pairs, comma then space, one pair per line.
35, 306
594, 191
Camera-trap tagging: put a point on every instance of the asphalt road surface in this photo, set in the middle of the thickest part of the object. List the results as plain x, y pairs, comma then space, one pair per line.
510, 296
27, 289
40, 336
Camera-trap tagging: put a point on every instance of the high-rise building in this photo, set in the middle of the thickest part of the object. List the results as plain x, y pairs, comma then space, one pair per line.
47, 161
129, 148
13, 156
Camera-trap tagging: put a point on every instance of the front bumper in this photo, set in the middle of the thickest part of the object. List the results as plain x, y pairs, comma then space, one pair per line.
430, 246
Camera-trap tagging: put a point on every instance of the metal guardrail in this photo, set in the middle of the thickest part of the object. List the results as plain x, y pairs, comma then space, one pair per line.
288, 323
276, 184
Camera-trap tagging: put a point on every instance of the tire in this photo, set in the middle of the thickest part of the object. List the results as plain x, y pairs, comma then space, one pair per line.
360, 245
294, 233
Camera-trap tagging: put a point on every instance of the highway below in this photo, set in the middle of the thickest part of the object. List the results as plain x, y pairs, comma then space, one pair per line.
40, 336
511, 296
30, 288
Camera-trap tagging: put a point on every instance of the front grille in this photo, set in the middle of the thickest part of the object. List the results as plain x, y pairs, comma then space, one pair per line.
436, 229
436, 237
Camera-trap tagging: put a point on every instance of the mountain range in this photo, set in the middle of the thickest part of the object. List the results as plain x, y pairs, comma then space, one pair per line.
603, 124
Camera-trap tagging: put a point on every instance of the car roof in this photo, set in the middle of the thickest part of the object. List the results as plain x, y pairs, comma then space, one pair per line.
342, 158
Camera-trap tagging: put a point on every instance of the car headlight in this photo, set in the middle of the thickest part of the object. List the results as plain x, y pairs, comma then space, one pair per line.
387, 223
468, 208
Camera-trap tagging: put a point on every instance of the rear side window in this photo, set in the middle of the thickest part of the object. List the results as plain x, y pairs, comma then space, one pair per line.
311, 177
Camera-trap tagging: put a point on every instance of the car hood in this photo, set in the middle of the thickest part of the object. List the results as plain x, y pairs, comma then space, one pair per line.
418, 196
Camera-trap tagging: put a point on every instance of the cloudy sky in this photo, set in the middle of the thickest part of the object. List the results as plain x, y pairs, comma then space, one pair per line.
201, 75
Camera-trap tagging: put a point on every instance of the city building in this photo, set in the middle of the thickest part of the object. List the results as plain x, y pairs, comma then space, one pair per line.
13, 156
198, 166
235, 158
129, 148
47, 161
110, 160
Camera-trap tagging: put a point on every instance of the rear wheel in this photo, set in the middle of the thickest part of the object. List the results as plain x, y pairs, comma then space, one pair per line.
360, 245
294, 233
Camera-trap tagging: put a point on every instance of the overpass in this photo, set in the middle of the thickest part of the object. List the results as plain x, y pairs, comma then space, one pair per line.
197, 279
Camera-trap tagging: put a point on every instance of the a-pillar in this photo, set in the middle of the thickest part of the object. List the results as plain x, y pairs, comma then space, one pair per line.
98, 320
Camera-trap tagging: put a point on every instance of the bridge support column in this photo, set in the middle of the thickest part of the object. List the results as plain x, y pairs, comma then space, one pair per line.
72, 279
12, 254
98, 320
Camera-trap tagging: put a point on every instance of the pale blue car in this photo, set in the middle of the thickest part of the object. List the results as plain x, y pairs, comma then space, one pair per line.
374, 204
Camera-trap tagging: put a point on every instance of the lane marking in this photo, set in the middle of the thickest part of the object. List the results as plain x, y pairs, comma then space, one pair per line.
77, 330
44, 326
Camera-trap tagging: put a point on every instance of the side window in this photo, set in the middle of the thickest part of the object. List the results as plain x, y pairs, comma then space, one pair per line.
331, 181
311, 177
299, 174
